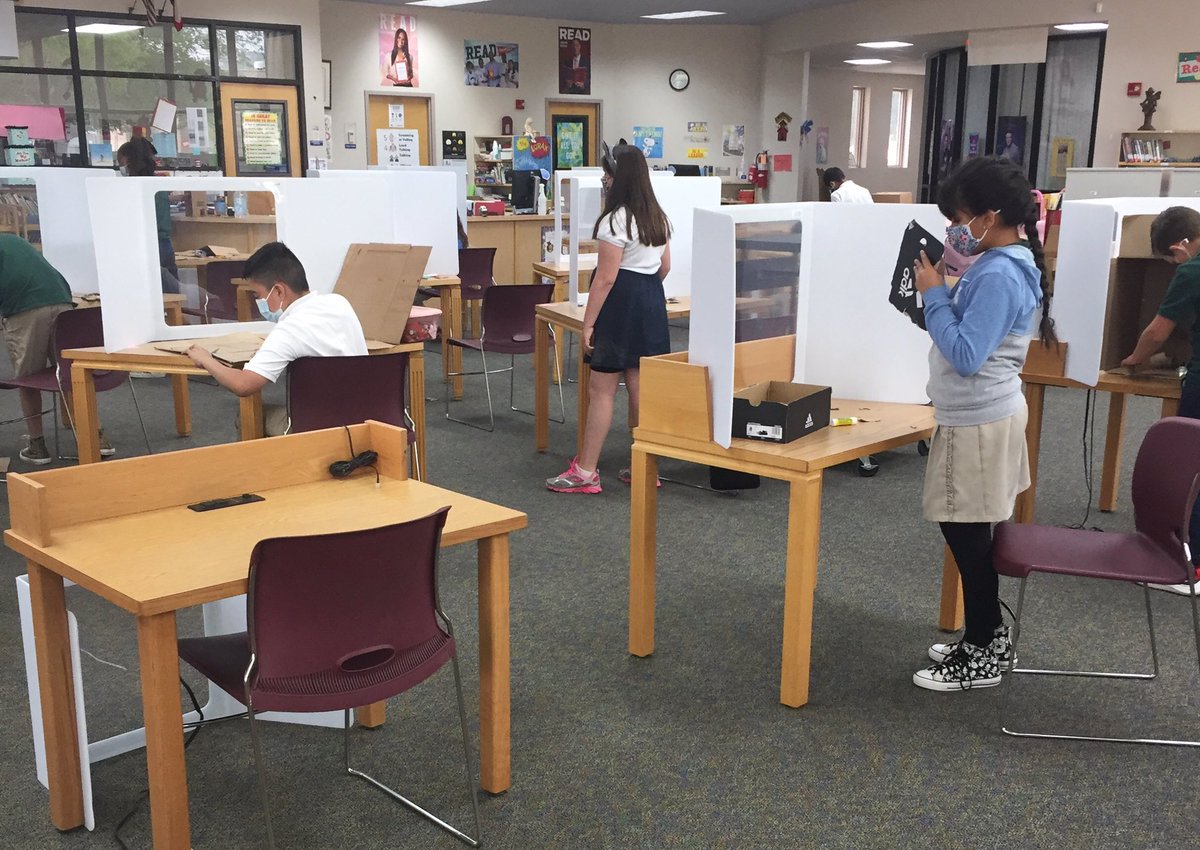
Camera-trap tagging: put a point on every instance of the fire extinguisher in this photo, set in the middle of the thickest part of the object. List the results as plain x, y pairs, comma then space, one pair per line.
759, 173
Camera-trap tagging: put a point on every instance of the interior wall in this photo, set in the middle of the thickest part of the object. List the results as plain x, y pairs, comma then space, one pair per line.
630, 67
829, 106
1143, 45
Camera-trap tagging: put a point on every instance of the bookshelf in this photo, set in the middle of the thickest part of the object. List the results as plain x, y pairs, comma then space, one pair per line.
490, 171
1160, 149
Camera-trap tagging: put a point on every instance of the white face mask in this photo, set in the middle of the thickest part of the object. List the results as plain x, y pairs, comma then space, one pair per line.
263, 305
124, 169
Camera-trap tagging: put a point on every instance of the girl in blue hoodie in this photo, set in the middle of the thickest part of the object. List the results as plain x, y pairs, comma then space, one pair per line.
978, 461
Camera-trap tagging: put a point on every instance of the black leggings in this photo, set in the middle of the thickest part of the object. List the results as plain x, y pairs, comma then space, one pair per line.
971, 544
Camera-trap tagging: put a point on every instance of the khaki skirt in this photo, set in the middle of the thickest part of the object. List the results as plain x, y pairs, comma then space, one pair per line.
975, 472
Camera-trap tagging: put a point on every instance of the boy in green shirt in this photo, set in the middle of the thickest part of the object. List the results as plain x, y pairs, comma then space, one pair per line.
1175, 236
32, 294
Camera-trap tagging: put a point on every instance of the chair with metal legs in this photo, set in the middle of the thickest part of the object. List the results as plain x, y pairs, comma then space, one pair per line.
475, 276
507, 328
337, 621
1166, 478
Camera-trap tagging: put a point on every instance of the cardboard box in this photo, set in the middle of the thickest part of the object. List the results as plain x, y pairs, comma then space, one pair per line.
779, 412
380, 282
892, 197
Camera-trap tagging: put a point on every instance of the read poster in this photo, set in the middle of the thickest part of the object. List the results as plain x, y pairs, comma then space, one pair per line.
398, 51
574, 60
493, 64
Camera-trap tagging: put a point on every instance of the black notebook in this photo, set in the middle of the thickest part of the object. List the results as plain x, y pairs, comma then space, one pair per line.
904, 296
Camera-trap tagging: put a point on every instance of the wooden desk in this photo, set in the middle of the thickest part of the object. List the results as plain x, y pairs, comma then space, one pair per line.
568, 318
244, 233
122, 531
559, 273
676, 422
146, 358
1120, 387
194, 262
517, 240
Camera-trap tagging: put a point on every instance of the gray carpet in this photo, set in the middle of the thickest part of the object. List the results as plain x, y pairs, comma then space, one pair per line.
690, 748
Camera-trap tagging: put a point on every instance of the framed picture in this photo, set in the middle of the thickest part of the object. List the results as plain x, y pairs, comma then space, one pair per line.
570, 141
327, 82
1010, 137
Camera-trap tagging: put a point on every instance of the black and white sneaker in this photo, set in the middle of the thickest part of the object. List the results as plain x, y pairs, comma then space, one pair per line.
1001, 646
967, 667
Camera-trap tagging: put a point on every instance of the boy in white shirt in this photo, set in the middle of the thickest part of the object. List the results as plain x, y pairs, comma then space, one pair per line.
844, 191
308, 324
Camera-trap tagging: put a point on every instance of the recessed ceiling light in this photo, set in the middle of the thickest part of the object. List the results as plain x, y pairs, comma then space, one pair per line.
884, 45
675, 16
106, 29
1094, 26
440, 3
867, 61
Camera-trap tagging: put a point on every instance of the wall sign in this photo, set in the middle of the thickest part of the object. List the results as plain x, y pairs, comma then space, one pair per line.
574, 60
649, 140
260, 135
398, 51
1189, 68
491, 63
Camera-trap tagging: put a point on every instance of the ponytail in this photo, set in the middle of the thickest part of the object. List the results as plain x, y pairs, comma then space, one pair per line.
1046, 331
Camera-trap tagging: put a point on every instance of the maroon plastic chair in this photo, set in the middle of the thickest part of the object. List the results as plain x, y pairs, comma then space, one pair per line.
507, 328
1166, 478
328, 392
218, 296
475, 274
337, 621
82, 327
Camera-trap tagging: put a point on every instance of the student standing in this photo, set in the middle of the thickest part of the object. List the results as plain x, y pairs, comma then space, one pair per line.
1175, 236
626, 315
978, 459
137, 158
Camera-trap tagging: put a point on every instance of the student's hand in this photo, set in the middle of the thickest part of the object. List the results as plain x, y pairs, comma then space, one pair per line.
926, 275
201, 357
1132, 361
588, 334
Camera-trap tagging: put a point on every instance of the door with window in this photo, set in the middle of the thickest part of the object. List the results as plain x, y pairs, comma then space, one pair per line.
260, 130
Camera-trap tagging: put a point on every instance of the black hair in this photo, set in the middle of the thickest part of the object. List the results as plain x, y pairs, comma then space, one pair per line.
275, 263
834, 175
995, 184
1172, 226
396, 51
139, 155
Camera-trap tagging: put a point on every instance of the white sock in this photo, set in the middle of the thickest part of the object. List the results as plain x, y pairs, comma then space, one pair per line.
586, 473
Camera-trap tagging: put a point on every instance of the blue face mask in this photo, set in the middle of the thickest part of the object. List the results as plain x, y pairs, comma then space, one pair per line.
267, 313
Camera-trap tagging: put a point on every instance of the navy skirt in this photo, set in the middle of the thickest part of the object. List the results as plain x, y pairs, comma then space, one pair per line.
632, 323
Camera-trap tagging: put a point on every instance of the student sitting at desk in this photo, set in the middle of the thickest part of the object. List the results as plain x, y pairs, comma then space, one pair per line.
1175, 236
308, 324
845, 191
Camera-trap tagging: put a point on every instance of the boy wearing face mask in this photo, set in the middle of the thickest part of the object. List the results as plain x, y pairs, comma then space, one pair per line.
1175, 236
307, 324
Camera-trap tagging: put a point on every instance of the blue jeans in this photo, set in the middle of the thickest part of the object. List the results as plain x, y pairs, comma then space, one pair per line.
1189, 406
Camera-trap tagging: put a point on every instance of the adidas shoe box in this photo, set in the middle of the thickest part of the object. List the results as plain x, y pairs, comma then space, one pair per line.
779, 412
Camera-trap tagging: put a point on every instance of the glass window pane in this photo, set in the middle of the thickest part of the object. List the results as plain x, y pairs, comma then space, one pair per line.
261, 53
110, 44
191, 52
896, 129
55, 92
41, 41
116, 109
1072, 68
856, 126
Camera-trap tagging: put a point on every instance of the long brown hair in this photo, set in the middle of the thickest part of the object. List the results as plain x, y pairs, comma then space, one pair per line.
631, 190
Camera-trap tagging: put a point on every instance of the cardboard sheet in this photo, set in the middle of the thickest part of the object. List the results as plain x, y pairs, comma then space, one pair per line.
233, 349
380, 281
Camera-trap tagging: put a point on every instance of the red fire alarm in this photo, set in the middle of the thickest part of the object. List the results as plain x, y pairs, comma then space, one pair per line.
1133, 89
520, 104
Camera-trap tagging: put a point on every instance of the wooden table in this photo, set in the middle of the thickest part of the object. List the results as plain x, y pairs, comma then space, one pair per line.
568, 318
146, 358
1120, 387
558, 271
676, 422
122, 531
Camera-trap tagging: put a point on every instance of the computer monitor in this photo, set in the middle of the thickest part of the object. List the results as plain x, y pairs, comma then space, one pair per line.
688, 170
524, 190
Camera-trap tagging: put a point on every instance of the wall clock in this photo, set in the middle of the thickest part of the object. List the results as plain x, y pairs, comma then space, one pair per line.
679, 79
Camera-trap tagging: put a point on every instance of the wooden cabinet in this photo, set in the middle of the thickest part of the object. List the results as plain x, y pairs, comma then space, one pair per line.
517, 240
1160, 149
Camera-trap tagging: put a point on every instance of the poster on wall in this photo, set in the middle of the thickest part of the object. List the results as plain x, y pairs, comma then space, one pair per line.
532, 154
492, 64
649, 140
396, 115
574, 60
698, 153
570, 141
260, 137
697, 131
782, 162
398, 148
398, 51
1062, 156
1010, 138
733, 140
822, 146
1189, 68
946, 149
973, 145
454, 144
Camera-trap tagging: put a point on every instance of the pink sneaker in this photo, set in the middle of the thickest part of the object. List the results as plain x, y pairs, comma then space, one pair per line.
573, 481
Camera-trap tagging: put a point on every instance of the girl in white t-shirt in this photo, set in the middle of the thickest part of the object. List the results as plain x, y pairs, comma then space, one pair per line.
626, 316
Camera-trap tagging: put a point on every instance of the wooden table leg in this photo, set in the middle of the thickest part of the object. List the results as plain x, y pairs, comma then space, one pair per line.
179, 383
1170, 407
452, 355
250, 412
371, 716
86, 418
1110, 475
804, 537
1035, 400
541, 384
416, 408
950, 615
57, 687
584, 398
495, 708
643, 543
162, 713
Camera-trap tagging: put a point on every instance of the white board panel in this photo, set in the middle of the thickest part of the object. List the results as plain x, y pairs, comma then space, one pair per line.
679, 197
1091, 183
1185, 183
711, 334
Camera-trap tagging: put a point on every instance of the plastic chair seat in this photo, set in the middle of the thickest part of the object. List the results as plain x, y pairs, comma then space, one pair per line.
46, 381
518, 344
1021, 549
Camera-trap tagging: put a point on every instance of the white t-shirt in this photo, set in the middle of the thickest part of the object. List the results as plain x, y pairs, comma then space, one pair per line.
851, 193
315, 325
635, 257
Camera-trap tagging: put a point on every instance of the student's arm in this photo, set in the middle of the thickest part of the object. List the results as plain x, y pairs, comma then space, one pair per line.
665, 268
968, 342
240, 382
1150, 341
606, 275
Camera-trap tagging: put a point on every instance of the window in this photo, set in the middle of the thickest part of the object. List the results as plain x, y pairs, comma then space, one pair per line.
860, 97
898, 128
263, 53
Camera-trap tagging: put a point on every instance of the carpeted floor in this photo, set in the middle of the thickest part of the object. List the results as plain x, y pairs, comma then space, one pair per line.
690, 748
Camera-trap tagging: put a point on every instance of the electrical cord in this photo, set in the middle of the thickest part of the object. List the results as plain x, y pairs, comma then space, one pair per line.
1088, 439
364, 460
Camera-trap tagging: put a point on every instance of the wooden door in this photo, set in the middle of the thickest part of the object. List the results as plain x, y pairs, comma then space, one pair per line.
590, 109
273, 95
417, 116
